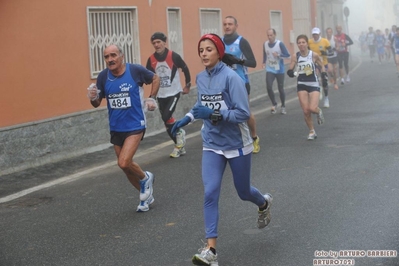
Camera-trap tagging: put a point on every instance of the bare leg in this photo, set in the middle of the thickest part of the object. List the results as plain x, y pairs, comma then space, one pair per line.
251, 121
252, 125
211, 242
332, 71
310, 104
125, 155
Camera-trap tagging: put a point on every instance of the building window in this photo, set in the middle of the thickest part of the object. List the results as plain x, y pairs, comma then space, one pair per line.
112, 26
210, 21
276, 23
174, 31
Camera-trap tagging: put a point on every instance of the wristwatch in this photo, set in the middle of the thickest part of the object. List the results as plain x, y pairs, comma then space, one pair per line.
153, 97
215, 117
188, 85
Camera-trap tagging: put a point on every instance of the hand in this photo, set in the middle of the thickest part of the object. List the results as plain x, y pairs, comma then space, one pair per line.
186, 90
150, 104
181, 123
324, 79
230, 59
290, 73
92, 92
202, 112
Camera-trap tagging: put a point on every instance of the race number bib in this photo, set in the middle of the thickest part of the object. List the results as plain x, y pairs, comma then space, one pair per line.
341, 47
274, 64
305, 68
119, 100
164, 82
215, 102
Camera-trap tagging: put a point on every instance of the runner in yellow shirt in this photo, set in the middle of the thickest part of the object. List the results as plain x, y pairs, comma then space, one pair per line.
321, 46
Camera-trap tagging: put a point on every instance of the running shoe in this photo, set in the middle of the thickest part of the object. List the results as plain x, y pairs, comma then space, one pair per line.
283, 111
177, 152
264, 216
144, 206
146, 186
320, 117
312, 135
256, 145
180, 138
326, 102
342, 81
348, 79
274, 109
205, 257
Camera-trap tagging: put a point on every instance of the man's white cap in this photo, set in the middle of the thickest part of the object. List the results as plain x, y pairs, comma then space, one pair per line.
316, 31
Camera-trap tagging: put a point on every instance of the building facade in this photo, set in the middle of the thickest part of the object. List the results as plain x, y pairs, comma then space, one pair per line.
330, 14
52, 51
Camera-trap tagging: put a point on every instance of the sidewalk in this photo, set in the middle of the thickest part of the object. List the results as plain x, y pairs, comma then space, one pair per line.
26, 179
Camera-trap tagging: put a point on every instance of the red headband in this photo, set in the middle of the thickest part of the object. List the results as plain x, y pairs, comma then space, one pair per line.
216, 41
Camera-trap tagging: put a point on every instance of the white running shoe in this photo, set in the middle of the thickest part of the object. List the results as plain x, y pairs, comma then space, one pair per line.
342, 81
283, 111
274, 109
180, 138
144, 206
326, 102
264, 216
348, 79
146, 186
312, 135
205, 257
177, 152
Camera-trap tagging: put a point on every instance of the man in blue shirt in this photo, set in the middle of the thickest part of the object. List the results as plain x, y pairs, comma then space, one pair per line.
240, 56
121, 84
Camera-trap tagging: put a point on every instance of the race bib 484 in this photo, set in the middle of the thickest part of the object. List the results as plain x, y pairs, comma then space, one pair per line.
119, 100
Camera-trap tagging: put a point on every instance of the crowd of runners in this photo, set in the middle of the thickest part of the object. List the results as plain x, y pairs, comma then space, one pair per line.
381, 45
229, 127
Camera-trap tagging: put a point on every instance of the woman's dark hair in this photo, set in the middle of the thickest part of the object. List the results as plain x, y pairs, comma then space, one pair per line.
302, 36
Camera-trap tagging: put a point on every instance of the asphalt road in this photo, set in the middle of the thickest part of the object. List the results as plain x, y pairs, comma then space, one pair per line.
337, 193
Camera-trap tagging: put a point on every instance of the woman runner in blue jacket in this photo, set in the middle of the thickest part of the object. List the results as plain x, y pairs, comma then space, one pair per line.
222, 104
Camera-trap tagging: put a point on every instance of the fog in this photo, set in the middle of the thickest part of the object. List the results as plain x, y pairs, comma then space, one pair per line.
379, 14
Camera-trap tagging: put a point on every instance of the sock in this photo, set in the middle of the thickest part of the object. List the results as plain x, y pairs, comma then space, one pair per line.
213, 250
